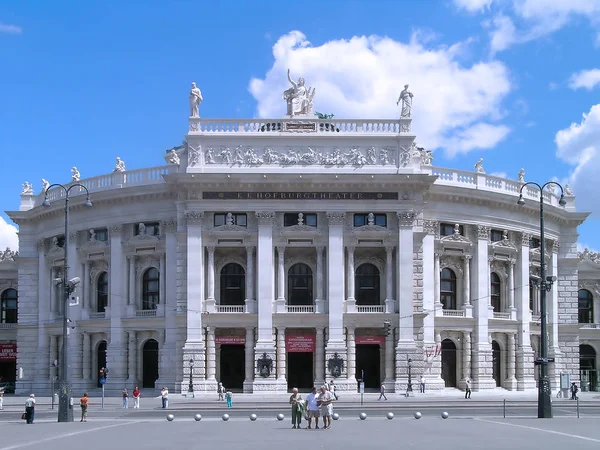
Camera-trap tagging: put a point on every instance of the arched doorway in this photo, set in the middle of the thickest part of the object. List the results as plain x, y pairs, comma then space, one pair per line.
587, 368
496, 364
149, 363
449, 363
100, 359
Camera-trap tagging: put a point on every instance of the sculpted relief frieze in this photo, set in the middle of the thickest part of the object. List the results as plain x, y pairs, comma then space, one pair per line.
247, 155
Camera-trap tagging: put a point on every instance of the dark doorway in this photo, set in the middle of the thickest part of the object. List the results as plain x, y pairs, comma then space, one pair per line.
496, 363
150, 364
368, 365
449, 363
101, 359
587, 368
300, 370
232, 366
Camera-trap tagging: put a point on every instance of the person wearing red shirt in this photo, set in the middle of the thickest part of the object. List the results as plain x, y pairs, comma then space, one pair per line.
136, 398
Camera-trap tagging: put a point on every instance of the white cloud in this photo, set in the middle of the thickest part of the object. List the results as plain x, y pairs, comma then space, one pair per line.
503, 34
499, 174
454, 107
10, 29
587, 79
473, 5
579, 146
8, 236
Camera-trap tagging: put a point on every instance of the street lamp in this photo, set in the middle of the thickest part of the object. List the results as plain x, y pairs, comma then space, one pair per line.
544, 392
409, 388
65, 410
191, 385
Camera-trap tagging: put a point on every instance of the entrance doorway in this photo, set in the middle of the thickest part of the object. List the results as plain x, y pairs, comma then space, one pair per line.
496, 363
232, 366
449, 363
150, 364
100, 359
587, 368
368, 365
300, 371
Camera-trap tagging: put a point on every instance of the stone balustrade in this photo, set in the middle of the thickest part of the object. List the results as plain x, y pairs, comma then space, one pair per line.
590, 326
145, 313
370, 308
229, 308
97, 315
453, 313
502, 315
300, 308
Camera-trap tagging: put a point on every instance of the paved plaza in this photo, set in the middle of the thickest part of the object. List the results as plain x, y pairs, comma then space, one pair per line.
430, 432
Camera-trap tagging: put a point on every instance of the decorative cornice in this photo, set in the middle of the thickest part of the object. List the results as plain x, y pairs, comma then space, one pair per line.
431, 227
406, 218
265, 217
194, 217
336, 218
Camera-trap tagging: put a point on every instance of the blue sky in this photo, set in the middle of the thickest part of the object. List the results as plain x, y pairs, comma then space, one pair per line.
512, 81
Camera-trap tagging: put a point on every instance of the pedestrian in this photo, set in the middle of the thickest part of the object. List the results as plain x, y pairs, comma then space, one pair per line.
164, 395
312, 407
125, 398
30, 408
221, 391
382, 392
468, 387
297, 408
1, 398
229, 398
574, 391
332, 389
136, 398
422, 384
326, 403
84, 402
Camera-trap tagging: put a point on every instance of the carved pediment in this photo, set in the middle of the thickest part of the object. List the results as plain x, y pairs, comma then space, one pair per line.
587, 255
55, 252
590, 285
93, 245
371, 231
229, 230
304, 230
143, 238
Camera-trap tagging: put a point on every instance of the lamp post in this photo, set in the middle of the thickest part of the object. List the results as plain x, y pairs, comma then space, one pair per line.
65, 408
409, 388
544, 390
191, 385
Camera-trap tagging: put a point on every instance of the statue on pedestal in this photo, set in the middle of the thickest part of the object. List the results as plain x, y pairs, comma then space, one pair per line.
479, 166
75, 175
45, 185
299, 98
174, 158
406, 98
195, 100
27, 188
522, 175
120, 165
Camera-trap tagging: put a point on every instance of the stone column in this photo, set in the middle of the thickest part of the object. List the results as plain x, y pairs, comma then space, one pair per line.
115, 356
163, 279
87, 357
525, 367
319, 302
437, 274
43, 300
389, 361
169, 358
280, 303
511, 380
131, 300
467, 350
210, 279
211, 355
467, 286
511, 289
87, 300
54, 356
281, 354
249, 360
389, 270
319, 356
250, 302
131, 352
351, 300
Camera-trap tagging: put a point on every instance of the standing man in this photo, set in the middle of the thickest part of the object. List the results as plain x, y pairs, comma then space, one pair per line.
1, 398
382, 392
125, 399
312, 408
422, 384
164, 395
326, 399
136, 398
332, 389
30, 408
468, 387
574, 390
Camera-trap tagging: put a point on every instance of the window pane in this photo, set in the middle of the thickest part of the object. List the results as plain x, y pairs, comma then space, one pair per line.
360, 220
381, 220
241, 220
290, 219
219, 220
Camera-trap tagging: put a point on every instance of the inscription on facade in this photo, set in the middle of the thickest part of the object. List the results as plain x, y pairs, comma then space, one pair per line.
300, 195
300, 126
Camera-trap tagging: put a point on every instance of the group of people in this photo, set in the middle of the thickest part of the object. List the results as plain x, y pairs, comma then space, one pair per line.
315, 405
224, 394
136, 398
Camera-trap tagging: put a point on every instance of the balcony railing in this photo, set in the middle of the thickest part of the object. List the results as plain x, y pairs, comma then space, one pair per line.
230, 308
536, 318
501, 315
97, 315
594, 326
453, 313
370, 308
7, 326
145, 313
300, 308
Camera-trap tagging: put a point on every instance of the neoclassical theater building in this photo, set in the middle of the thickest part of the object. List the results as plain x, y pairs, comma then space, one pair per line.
268, 254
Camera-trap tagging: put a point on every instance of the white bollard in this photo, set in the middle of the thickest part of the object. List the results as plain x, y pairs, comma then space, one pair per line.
363, 416
417, 415
280, 417
335, 416
225, 417
444, 415
170, 417
390, 415
197, 417
253, 417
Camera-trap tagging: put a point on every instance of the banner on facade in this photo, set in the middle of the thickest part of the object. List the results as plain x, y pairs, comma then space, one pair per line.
229, 340
8, 352
300, 195
373, 340
300, 343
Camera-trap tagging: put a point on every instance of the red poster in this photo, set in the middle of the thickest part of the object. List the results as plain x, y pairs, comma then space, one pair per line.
8, 352
370, 340
230, 340
297, 343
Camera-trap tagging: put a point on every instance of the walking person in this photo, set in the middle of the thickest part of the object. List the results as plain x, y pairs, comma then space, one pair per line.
332, 389
229, 398
221, 391
326, 402
574, 390
84, 402
30, 408
422, 384
382, 392
1, 398
468, 387
312, 408
136, 398
125, 395
164, 395
297, 408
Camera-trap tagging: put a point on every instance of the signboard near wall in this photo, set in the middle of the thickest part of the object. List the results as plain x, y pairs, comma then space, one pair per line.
372, 340
8, 352
230, 340
300, 343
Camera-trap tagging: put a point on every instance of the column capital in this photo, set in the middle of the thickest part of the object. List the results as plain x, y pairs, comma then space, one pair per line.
466, 258
72, 236
281, 249
250, 250
320, 249
431, 227
351, 329
389, 249
211, 249
406, 218
194, 217
483, 232
115, 230
265, 217
350, 249
555, 245
525, 238
281, 328
41, 243
336, 218
169, 226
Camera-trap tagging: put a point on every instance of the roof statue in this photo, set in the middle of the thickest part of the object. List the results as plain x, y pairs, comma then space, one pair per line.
299, 98
479, 166
120, 165
75, 175
195, 100
522, 175
406, 98
45, 185
569, 190
27, 188
174, 157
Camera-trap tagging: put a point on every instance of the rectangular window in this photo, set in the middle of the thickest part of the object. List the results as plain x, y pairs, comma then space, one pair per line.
238, 219
496, 235
308, 219
360, 220
150, 228
101, 234
534, 243
61, 241
447, 229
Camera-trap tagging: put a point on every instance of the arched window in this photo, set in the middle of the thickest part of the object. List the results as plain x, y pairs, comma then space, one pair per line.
150, 288
233, 285
448, 289
586, 306
495, 286
300, 285
8, 306
102, 292
366, 282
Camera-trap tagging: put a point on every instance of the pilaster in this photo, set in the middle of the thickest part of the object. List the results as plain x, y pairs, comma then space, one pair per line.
525, 367
335, 285
115, 357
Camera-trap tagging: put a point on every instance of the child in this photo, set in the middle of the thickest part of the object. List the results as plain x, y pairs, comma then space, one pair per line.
228, 397
220, 390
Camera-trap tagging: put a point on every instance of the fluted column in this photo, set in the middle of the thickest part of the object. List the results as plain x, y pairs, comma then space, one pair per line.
319, 302
336, 339
211, 274
436, 278
249, 359
389, 360
351, 300
281, 273
249, 279
115, 356
466, 370
131, 297
281, 353
87, 300
467, 280
211, 355
319, 356
389, 270
525, 367
87, 356
510, 358
131, 352
162, 270
511, 289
